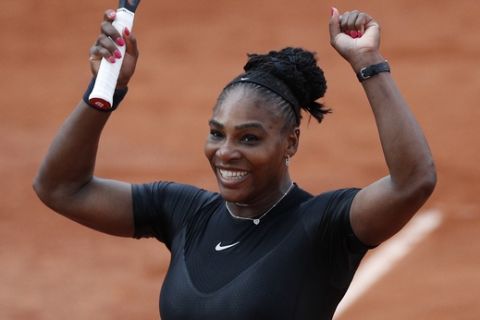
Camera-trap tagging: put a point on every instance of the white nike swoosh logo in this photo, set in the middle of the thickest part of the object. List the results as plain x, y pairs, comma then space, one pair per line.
219, 246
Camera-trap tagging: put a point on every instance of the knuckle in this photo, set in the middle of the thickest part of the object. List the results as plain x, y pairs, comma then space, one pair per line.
106, 27
109, 14
102, 41
106, 42
104, 53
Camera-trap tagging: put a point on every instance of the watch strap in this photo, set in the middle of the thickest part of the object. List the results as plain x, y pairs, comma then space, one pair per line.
371, 70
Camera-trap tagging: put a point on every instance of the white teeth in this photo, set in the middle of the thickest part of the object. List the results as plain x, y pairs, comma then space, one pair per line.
229, 174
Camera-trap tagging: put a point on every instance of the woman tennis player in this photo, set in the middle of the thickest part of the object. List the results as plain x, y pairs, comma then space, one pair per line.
261, 247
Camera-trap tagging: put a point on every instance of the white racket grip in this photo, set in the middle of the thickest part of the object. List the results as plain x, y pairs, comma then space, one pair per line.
107, 76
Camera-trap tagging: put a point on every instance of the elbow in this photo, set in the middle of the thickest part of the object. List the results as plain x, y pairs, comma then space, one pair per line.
429, 180
41, 190
424, 183
57, 195
418, 185
45, 191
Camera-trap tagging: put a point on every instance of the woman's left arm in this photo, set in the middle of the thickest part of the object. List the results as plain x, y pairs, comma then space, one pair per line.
385, 206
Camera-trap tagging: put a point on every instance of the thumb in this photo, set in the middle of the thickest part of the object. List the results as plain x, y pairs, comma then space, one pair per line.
334, 24
131, 42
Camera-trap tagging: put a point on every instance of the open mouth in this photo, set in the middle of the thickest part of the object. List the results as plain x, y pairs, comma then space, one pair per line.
231, 176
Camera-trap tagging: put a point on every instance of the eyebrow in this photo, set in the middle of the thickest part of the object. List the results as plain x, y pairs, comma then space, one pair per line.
248, 125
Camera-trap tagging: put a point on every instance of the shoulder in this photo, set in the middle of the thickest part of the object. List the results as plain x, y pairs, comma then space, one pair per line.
328, 211
330, 200
326, 218
162, 208
172, 191
171, 200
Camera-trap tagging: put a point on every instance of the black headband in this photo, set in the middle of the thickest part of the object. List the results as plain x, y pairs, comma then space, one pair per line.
271, 83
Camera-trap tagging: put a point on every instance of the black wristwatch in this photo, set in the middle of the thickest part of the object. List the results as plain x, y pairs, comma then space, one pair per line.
371, 70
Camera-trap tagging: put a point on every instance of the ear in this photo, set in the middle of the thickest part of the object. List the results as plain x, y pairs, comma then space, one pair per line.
293, 138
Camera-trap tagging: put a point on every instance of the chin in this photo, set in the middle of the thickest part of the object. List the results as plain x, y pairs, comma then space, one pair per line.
233, 194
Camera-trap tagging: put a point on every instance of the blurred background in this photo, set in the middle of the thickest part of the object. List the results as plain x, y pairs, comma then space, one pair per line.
52, 268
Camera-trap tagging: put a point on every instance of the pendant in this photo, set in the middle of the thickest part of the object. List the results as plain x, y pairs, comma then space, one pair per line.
256, 221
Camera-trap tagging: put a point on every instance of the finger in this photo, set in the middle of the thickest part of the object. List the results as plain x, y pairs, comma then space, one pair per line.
361, 22
343, 21
94, 53
352, 17
130, 42
108, 29
109, 15
97, 53
104, 48
107, 43
351, 24
334, 24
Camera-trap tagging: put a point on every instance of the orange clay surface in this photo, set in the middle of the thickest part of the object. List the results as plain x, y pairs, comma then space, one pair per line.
52, 268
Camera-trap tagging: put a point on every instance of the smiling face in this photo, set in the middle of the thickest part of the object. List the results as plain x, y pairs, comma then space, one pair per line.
247, 148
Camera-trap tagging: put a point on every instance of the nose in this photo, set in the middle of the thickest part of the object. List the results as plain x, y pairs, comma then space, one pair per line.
227, 152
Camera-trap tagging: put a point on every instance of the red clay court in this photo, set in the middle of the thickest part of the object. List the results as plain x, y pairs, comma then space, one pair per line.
52, 268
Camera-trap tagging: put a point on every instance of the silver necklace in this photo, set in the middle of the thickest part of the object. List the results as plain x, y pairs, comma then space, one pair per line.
256, 221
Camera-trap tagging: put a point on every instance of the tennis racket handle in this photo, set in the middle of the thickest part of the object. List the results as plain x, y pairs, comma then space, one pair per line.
107, 76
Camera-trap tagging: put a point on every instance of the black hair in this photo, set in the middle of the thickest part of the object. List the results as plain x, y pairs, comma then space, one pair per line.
297, 69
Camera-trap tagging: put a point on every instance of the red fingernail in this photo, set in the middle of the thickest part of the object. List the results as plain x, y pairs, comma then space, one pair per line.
120, 42
354, 34
117, 54
127, 32
111, 59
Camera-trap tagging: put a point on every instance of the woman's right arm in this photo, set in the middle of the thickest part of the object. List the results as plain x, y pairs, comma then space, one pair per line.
65, 180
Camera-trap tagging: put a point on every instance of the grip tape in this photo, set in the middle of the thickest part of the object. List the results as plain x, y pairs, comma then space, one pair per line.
102, 93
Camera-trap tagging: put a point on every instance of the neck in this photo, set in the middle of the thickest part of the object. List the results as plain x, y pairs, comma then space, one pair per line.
255, 210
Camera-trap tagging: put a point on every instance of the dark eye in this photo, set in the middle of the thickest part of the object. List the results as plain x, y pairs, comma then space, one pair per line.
250, 138
215, 134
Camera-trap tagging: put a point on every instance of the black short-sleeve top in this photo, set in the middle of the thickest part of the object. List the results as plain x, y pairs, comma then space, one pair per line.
297, 263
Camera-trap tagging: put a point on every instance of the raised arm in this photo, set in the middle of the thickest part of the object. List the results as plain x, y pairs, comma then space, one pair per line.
65, 180
384, 207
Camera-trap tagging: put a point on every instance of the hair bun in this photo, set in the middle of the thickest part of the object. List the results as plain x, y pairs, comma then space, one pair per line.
298, 69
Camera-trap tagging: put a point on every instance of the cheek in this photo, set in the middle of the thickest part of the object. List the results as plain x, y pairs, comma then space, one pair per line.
208, 150
267, 161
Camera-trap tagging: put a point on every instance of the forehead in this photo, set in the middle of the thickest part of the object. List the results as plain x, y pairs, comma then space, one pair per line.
243, 105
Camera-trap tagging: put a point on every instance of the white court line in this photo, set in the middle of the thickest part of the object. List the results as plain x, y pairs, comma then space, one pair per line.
390, 252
